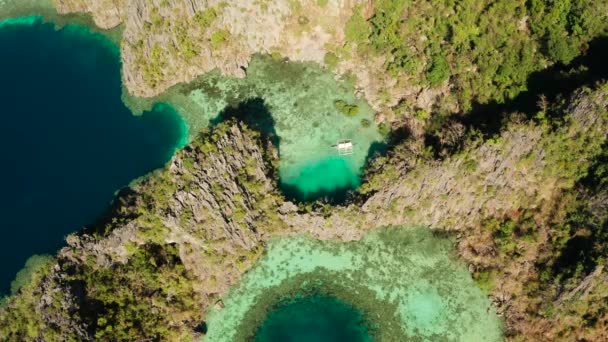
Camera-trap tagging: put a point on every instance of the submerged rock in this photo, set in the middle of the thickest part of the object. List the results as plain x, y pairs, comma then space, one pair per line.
403, 279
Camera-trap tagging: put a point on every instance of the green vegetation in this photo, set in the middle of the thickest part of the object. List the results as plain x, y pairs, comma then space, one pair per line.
187, 47
20, 321
564, 26
147, 294
34, 264
330, 59
218, 38
156, 278
357, 29
486, 48
384, 129
206, 17
153, 64
346, 109
438, 71
508, 232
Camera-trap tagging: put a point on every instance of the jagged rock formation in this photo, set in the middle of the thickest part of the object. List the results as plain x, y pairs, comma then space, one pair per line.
402, 54
106, 13
167, 42
183, 236
216, 198
215, 203
517, 170
207, 215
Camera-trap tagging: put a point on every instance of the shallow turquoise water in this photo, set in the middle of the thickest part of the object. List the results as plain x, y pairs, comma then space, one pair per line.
67, 142
327, 177
299, 102
406, 280
313, 319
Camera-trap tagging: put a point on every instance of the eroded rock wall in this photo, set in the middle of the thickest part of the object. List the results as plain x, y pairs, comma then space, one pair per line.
217, 203
107, 14
170, 41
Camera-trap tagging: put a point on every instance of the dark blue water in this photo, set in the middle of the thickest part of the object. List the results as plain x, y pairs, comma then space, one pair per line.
67, 142
313, 319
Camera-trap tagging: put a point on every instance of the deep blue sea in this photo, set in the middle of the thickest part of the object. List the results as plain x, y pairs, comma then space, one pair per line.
67, 142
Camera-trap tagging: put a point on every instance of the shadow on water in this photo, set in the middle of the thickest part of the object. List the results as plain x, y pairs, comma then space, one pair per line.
338, 195
256, 115
342, 194
554, 82
201, 328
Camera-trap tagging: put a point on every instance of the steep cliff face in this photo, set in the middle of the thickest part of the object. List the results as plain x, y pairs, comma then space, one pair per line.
171, 41
405, 56
522, 168
202, 220
167, 42
215, 200
182, 237
505, 199
107, 14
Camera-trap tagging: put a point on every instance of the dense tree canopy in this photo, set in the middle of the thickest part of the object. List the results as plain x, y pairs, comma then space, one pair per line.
486, 48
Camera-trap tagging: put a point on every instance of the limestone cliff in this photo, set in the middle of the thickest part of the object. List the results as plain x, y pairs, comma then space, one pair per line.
403, 56
167, 42
106, 13
177, 241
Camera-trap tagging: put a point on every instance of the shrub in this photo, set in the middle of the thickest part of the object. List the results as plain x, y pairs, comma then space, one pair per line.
384, 129
422, 114
560, 49
218, 38
206, 18
357, 30
34, 264
438, 71
331, 59
134, 299
346, 109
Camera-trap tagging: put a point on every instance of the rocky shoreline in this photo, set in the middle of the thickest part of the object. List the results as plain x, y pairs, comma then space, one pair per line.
180, 238
217, 202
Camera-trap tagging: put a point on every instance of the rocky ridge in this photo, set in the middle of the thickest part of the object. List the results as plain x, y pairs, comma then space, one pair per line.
106, 14
167, 42
217, 203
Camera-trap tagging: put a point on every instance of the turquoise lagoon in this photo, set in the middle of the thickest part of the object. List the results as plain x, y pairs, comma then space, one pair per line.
396, 284
300, 100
